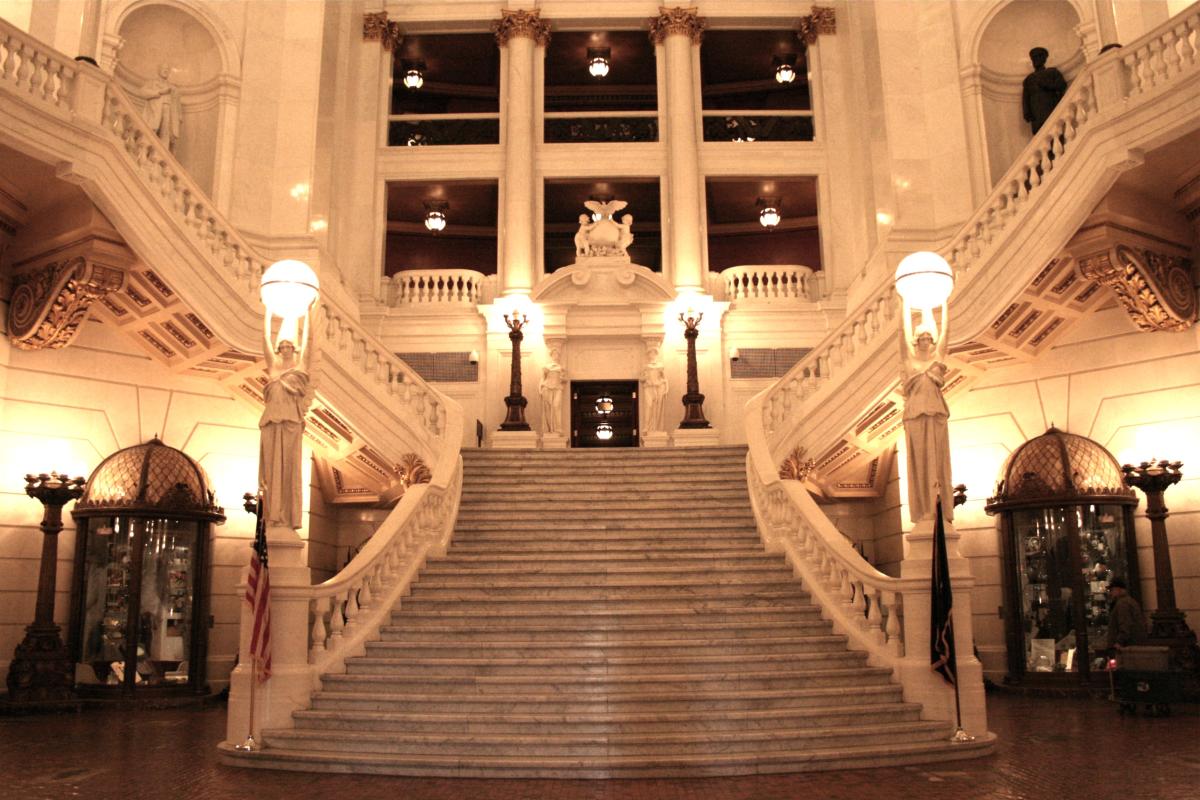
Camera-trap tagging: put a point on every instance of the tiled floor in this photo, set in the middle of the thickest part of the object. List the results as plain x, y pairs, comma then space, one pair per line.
1049, 749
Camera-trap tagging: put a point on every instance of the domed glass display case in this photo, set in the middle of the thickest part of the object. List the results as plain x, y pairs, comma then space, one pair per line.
139, 614
1066, 529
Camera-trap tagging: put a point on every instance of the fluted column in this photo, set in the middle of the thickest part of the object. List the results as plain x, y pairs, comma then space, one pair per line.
677, 30
522, 33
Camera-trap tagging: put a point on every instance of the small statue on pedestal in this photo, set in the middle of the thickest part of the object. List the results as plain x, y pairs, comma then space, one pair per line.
1042, 89
551, 390
654, 390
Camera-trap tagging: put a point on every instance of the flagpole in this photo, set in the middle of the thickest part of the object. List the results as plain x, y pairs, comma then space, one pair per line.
254, 505
942, 600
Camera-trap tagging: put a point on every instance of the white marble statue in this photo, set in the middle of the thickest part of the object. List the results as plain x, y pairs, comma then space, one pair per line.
654, 392
281, 428
600, 235
926, 416
551, 389
163, 111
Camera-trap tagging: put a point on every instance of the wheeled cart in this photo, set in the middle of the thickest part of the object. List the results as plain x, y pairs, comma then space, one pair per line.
1142, 675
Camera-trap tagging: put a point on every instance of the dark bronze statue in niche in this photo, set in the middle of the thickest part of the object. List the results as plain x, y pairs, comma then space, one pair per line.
1042, 90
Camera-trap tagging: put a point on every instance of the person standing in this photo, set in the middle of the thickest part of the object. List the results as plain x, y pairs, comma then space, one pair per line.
1126, 622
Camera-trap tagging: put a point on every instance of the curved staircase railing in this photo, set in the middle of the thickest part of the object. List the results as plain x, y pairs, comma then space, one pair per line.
78, 117
1124, 100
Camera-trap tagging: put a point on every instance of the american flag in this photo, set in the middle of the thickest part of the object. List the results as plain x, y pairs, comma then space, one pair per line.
258, 595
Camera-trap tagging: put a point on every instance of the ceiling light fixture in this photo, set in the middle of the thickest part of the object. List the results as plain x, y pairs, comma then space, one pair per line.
414, 74
435, 215
785, 68
768, 214
598, 61
604, 431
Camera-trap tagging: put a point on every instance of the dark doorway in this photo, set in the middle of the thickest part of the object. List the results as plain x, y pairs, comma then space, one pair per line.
604, 414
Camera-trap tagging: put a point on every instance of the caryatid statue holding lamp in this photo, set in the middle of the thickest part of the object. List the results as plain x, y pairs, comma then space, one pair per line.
924, 281
289, 289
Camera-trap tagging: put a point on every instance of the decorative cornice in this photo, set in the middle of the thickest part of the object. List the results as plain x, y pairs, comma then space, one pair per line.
821, 22
678, 20
796, 467
49, 303
376, 27
519, 22
1155, 289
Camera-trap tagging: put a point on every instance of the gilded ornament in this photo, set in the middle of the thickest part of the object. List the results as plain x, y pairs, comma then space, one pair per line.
49, 304
822, 21
521, 23
796, 467
377, 28
678, 20
1155, 289
412, 469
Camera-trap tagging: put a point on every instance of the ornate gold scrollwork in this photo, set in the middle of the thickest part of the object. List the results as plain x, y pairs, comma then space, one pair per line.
1155, 289
796, 467
412, 469
377, 28
521, 23
822, 21
49, 303
679, 20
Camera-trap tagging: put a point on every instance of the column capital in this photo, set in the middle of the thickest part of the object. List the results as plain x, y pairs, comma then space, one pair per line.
376, 27
822, 20
679, 20
518, 23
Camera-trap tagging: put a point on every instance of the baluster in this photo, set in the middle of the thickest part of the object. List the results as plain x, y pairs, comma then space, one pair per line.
317, 637
1187, 52
25, 67
365, 595
1171, 61
337, 622
351, 607
845, 587
1159, 62
874, 617
893, 629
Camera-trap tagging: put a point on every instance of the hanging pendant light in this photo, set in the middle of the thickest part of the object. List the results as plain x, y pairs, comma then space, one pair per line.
768, 212
598, 61
414, 74
604, 431
785, 68
604, 405
435, 215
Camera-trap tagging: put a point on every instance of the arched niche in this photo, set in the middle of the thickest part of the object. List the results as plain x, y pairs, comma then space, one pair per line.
999, 42
197, 48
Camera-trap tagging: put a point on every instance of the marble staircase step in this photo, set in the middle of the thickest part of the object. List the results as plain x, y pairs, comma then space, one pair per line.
598, 579
593, 666
714, 556
591, 646
443, 569
607, 722
717, 702
651, 684
607, 594
614, 630
658, 606
553, 492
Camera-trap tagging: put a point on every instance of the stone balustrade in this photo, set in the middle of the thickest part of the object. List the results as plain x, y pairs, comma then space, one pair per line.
791, 283
435, 287
28, 66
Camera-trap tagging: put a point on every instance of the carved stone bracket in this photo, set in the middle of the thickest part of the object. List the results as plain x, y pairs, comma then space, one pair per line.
412, 470
49, 303
1155, 289
521, 23
822, 21
796, 467
684, 21
376, 27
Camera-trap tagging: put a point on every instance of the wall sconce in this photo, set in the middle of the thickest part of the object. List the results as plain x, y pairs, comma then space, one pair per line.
768, 212
785, 68
414, 74
435, 215
598, 61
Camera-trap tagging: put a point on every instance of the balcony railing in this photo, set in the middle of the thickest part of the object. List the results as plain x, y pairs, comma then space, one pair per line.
758, 126
437, 287
405, 130
792, 283
601, 126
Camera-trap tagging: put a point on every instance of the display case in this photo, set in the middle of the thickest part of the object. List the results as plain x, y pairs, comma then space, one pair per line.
1066, 530
139, 601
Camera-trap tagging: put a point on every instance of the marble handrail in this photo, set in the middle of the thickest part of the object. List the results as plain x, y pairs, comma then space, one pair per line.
790, 282
428, 287
30, 67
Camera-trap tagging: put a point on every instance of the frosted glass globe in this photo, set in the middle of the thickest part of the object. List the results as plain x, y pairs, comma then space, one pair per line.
924, 279
288, 288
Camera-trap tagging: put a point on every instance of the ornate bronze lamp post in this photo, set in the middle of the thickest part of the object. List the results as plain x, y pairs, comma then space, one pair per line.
516, 402
41, 669
1153, 478
693, 401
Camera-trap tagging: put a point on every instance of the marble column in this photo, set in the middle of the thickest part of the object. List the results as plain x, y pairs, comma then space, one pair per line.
525, 35
677, 30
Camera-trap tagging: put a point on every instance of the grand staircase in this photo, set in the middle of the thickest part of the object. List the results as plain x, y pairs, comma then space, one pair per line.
606, 614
